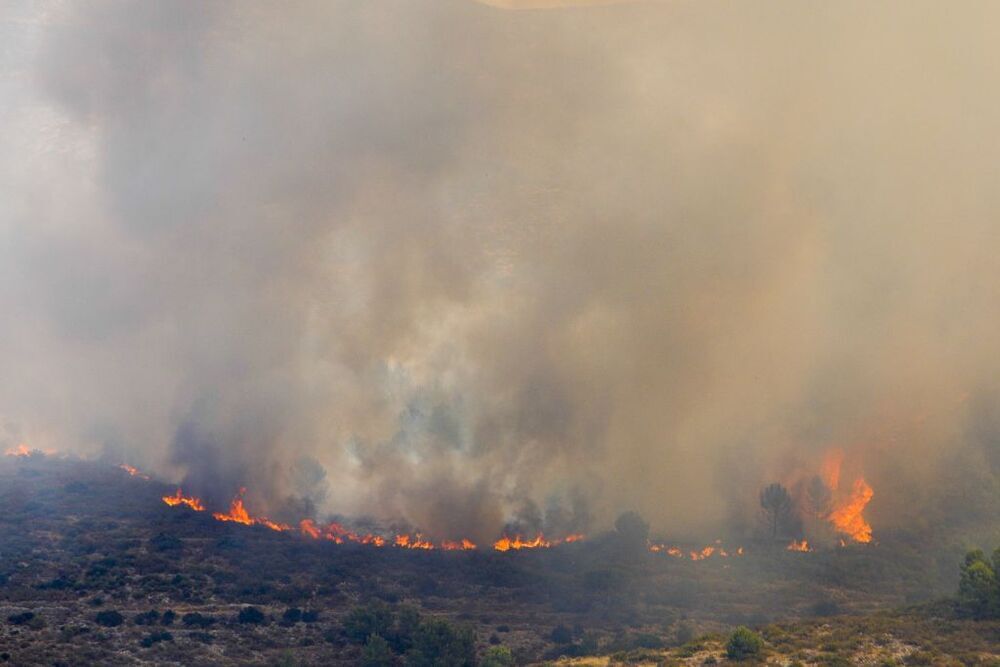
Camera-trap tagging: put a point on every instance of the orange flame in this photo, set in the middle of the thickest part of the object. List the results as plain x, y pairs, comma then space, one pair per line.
180, 499
463, 545
798, 546
517, 543
847, 516
134, 472
829, 470
716, 550
412, 542
238, 513
336, 533
19, 450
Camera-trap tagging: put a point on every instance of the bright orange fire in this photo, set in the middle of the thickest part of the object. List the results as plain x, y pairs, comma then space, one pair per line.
19, 450
134, 472
238, 513
847, 513
847, 516
412, 542
539, 541
798, 546
180, 499
338, 534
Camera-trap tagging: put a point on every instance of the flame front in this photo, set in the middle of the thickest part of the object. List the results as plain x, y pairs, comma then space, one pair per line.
180, 499
238, 513
799, 546
19, 450
337, 533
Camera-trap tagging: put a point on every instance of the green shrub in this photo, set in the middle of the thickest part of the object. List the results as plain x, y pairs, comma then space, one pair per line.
251, 615
109, 619
497, 656
440, 644
979, 584
377, 653
744, 643
362, 622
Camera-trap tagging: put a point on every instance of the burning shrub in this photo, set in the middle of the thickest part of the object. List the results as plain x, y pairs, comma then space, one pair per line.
744, 643
109, 618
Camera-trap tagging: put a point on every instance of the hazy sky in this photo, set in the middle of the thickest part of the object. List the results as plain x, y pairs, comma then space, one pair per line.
635, 255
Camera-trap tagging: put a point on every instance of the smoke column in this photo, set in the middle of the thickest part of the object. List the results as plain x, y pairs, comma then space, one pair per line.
447, 263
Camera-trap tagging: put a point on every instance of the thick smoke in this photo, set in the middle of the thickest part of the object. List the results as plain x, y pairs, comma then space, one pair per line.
439, 262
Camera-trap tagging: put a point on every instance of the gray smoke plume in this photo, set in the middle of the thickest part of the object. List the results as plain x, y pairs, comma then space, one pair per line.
436, 261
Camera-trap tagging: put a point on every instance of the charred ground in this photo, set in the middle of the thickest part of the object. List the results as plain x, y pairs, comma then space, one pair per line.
79, 539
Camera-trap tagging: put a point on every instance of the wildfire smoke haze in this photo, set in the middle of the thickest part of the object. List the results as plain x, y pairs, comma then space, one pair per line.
435, 262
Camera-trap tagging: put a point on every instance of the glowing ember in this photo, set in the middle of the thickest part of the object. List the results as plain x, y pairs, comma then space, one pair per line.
464, 545
180, 499
134, 472
412, 542
336, 533
798, 546
716, 550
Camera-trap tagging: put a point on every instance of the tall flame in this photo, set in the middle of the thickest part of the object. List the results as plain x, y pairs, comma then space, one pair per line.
846, 514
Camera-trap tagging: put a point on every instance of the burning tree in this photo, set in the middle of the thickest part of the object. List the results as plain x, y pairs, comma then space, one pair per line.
778, 507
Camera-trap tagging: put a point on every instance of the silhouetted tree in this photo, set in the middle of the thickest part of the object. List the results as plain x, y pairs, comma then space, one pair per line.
819, 495
632, 531
777, 506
